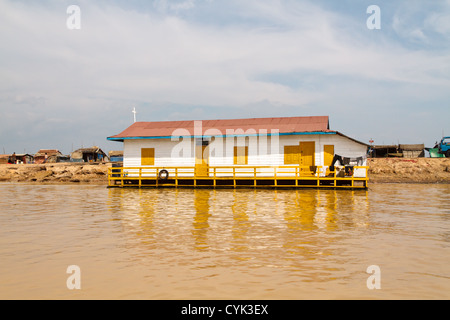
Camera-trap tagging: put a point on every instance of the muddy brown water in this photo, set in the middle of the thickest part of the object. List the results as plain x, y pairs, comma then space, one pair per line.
224, 244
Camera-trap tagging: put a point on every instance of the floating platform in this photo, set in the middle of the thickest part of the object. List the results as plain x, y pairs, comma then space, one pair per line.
354, 177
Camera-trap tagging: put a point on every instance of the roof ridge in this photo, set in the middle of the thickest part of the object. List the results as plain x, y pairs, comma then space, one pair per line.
296, 124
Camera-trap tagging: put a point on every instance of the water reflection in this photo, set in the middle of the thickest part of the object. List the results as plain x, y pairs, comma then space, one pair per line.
146, 211
330, 206
300, 210
238, 220
241, 223
251, 244
202, 213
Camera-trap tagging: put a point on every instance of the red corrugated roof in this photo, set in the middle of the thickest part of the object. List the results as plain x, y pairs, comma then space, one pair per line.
282, 124
48, 152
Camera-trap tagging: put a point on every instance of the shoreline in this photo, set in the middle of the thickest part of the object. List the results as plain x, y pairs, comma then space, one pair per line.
56, 173
381, 170
409, 170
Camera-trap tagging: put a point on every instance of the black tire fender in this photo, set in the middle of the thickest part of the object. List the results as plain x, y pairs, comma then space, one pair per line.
163, 174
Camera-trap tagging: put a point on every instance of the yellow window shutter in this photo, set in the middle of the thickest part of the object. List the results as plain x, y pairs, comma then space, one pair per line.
328, 155
291, 155
148, 156
240, 155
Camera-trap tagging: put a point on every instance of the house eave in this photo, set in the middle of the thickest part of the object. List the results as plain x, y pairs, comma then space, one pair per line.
121, 139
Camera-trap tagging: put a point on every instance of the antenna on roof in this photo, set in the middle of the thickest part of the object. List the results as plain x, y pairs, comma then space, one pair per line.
134, 113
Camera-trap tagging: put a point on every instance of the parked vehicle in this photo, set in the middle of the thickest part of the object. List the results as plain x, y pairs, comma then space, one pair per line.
444, 146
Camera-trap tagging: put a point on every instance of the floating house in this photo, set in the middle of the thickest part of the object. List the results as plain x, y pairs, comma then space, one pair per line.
22, 158
115, 156
5, 158
412, 150
400, 150
47, 156
16, 158
256, 152
92, 154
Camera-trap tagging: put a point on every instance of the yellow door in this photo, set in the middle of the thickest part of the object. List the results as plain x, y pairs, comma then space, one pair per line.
148, 156
307, 151
201, 161
328, 155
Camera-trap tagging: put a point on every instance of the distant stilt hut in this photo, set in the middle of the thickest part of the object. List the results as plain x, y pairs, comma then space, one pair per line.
115, 156
92, 154
47, 156
400, 150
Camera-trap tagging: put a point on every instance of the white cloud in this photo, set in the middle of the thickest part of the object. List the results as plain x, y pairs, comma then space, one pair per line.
428, 26
162, 57
439, 22
120, 52
184, 5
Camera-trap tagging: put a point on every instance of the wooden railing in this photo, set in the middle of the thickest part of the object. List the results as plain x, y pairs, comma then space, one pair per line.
236, 173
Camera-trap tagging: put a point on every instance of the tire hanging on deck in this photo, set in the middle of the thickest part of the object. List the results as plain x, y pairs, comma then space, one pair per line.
163, 174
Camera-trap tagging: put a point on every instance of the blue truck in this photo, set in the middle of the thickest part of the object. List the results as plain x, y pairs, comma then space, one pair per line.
444, 146
441, 149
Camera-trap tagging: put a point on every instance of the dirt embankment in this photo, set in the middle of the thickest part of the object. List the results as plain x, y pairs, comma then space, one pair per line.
55, 173
381, 170
415, 170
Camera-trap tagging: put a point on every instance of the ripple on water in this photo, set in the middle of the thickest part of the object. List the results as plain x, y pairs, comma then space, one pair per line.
224, 244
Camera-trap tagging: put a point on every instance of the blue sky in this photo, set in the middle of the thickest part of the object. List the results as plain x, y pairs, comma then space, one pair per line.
207, 59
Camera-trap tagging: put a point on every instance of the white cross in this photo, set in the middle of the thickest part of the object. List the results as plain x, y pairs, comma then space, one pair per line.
134, 113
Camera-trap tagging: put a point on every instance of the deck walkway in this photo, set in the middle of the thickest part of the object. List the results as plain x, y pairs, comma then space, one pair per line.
239, 177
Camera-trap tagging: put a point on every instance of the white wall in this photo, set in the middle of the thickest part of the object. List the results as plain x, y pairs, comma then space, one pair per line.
164, 151
270, 150
266, 151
